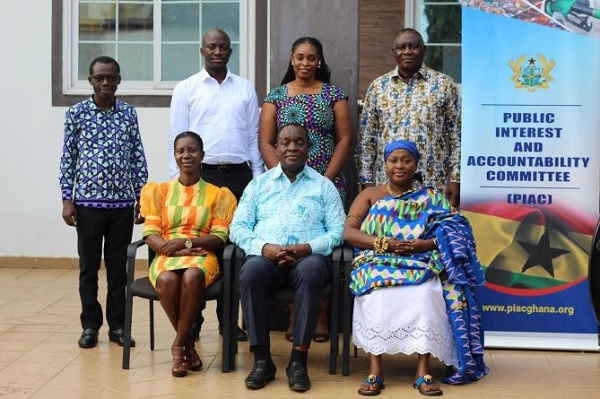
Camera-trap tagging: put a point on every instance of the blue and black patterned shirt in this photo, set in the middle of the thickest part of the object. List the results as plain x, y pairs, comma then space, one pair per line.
103, 163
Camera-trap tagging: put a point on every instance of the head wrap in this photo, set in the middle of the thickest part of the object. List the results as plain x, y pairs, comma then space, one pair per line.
401, 145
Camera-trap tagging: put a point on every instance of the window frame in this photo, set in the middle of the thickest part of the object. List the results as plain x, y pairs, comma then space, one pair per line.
412, 18
67, 86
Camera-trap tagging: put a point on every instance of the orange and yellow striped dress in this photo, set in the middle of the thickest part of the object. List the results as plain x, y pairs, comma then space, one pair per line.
173, 210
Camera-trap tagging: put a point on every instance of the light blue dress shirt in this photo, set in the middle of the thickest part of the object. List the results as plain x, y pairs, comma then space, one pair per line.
274, 210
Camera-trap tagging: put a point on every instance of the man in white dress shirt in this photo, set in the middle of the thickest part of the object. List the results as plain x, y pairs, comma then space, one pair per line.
223, 109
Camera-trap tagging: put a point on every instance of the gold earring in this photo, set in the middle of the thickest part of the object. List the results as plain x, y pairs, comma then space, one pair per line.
319, 66
291, 63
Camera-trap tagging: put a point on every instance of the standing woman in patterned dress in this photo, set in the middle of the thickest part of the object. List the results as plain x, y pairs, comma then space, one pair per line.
306, 98
187, 219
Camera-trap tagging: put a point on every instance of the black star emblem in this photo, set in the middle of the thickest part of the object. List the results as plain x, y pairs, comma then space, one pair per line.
541, 254
532, 61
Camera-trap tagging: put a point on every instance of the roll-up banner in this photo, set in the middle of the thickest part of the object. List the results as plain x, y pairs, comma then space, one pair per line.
530, 166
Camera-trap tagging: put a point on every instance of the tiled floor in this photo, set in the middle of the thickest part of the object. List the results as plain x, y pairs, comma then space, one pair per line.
39, 358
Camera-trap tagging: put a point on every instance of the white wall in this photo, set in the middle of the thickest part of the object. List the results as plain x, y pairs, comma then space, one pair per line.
31, 137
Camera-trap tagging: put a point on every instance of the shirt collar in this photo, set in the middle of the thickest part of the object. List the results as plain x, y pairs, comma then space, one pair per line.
116, 106
278, 173
422, 73
204, 75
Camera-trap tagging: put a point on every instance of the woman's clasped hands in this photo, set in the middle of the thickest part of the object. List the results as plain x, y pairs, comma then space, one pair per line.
176, 247
408, 247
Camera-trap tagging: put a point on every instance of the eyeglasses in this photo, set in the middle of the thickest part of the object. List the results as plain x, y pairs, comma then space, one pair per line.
109, 78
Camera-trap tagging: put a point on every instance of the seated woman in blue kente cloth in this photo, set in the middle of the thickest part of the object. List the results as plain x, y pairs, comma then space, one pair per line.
413, 277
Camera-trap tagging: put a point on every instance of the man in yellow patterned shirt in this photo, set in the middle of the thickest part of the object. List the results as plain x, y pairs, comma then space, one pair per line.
416, 103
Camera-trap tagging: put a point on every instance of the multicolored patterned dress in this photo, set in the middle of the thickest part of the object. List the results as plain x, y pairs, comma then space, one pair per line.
420, 312
173, 210
315, 113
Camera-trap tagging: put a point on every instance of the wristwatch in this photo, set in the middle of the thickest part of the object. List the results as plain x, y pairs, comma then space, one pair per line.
188, 243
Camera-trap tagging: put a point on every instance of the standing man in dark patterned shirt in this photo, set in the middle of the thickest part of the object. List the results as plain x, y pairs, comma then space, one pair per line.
102, 171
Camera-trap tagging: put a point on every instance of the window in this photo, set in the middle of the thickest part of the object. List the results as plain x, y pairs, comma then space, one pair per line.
155, 41
440, 23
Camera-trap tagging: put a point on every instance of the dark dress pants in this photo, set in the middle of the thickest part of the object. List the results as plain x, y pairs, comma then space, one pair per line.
259, 277
114, 227
235, 180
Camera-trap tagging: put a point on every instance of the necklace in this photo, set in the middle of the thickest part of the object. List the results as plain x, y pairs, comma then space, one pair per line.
389, 190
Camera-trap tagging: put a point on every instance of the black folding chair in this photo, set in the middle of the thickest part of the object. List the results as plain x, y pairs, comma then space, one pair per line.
233, 258
141, 287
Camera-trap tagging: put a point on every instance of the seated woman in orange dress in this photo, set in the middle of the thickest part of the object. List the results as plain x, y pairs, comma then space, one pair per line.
187, 219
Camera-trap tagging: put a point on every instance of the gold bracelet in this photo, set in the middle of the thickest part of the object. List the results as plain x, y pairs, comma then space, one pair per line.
434, 239
351, 215
384, 245
376, 245
380, 245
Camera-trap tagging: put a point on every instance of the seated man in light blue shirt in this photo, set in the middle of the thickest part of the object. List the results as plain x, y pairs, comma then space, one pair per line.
288, 221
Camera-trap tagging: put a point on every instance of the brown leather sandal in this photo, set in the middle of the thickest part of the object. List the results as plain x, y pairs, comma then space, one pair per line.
371, 386
192, 359
427, 386
179, 368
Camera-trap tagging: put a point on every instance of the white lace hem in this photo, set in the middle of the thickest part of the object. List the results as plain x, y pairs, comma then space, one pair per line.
404, 319
406, 341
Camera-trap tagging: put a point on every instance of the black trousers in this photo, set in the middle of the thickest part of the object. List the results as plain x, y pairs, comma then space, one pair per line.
259, 277
236, 180
113, 228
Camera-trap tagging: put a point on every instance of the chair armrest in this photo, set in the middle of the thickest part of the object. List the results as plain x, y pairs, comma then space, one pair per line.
131, 253
132, 248
229, 252
233, 257
336, 256
347, 253
233, 252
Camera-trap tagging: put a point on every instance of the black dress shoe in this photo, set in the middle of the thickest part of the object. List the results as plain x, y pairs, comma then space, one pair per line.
197, 326
297, 377
240, 334
118, 337
195, 330
88, 339
262, 372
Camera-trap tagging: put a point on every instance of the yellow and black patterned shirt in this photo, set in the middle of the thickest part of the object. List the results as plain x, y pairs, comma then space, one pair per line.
425, 110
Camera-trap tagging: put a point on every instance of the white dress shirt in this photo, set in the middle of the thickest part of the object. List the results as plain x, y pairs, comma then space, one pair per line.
225, 116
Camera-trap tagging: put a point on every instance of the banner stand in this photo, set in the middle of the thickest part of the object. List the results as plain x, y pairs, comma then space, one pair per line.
542, 341
530, 170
